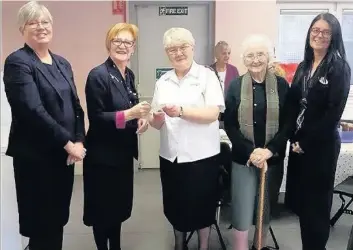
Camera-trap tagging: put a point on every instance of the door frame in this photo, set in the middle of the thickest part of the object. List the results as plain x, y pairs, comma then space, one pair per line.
132, 18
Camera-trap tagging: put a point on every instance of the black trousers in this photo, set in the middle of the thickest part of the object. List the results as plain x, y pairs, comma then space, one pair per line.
314, 219
52, 241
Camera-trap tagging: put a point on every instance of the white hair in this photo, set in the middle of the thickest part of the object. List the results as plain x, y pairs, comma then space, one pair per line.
177, 36
259, 40
32, 11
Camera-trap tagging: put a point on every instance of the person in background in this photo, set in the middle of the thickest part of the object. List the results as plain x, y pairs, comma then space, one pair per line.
115, 118
225, 71
47, 130
318, 95
255, 122
186, 105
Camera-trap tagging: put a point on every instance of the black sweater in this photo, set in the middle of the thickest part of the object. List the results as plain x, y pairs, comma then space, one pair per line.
242, 147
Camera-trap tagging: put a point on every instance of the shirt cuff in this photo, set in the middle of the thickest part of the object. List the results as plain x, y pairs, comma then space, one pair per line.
120, 119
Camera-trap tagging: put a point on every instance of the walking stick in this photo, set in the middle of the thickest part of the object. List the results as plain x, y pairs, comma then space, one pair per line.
260, 207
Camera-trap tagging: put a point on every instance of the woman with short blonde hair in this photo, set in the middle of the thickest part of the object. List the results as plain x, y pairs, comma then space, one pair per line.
115, 118
225, 71
186, 103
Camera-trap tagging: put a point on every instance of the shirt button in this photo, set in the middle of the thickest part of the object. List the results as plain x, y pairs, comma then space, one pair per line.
77, 116
255, 104
253, 87
254, 122
130, 102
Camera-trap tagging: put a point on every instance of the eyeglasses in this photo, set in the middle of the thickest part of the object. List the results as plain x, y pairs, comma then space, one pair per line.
174, 50
127, 44
317, 31
35, 25
261, 56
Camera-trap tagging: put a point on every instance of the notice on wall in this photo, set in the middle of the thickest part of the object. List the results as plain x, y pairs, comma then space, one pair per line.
161, 71
173, 11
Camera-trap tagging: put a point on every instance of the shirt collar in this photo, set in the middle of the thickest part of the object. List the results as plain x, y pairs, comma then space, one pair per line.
193, 72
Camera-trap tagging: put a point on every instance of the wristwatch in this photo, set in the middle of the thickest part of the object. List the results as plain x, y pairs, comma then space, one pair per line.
181, 111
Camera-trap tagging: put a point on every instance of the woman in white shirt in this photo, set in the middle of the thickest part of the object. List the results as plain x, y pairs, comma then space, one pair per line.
187, 101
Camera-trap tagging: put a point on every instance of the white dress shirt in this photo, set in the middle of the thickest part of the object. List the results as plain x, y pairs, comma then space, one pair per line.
189, 141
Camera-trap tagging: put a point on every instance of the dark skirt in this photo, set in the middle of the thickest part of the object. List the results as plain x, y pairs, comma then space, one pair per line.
190, 192
108, 192
44, 191
245, 194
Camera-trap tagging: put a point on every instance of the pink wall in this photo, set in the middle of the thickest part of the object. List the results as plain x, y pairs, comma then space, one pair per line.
237, 19
79, 33
80, 28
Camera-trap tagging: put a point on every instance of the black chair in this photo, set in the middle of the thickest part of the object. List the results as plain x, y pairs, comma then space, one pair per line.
344, 189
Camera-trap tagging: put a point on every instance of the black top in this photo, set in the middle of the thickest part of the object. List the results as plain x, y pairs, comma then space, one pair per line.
326, 101
259, 117
242, 147
106, 93
68, 114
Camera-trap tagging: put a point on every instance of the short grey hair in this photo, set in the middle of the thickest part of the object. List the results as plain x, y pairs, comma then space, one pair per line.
258, 40
177, 36
32, 11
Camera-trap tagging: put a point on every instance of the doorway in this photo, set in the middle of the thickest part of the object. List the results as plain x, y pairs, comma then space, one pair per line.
153, 19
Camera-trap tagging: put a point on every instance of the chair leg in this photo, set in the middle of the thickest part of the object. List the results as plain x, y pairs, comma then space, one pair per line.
274, 238
223, 245
341, 210
189, 238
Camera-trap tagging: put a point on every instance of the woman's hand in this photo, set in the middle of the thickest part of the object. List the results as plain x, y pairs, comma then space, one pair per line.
76, 152
142, 126
259, 156
296, 148
140, 110
157, 119
172, 110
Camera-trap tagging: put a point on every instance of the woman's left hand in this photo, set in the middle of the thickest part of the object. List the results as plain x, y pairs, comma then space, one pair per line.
260, 155
296, 148
142, 126
172, 110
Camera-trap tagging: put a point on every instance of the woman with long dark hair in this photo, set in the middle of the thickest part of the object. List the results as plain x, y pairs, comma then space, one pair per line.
319, 94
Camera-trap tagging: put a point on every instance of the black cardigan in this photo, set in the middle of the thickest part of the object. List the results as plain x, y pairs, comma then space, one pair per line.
242, 147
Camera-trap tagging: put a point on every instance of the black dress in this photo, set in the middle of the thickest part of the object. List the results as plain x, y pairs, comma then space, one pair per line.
310, 176
108, 169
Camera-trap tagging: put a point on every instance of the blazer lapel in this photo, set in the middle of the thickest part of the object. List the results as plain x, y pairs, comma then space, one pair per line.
45, 72
64, 72
41, 67
116, 79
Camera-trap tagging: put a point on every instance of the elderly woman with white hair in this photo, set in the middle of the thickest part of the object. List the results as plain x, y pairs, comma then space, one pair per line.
187, 101
254, 121
47, 130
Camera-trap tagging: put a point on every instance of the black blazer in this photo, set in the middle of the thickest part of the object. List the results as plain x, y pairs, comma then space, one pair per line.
325, 102
105, 96
242, 147
36, 105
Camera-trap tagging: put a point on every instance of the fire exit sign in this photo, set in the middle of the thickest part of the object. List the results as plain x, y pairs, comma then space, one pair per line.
173, 11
